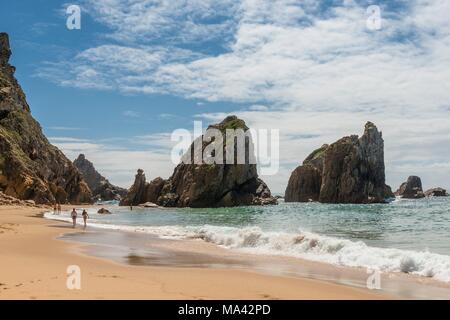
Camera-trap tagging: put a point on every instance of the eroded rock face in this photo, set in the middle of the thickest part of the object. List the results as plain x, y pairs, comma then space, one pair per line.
350, 170
30, 167
436, 192
199, 184
143, 192
101, 188
411, 189
304, 185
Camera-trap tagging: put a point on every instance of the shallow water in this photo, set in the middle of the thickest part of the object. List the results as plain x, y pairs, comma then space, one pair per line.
411, 236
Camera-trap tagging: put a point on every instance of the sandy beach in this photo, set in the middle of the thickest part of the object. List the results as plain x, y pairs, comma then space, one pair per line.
34, 264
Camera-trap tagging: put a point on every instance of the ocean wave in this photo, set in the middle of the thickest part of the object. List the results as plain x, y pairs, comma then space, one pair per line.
304, 245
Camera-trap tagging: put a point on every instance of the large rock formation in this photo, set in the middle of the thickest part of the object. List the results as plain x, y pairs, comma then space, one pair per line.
30, 167
195, 183
436, 192
101, 188
350, 170
411, 189
142, 191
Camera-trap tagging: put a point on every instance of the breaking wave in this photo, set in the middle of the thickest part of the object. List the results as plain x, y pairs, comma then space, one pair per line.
304, 245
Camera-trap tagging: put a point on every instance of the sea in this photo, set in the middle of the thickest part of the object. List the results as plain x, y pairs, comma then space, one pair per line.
408, 236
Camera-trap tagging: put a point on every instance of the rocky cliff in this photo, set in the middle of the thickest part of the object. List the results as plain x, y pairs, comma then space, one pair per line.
200, 184
30, 167
101, 188
350, 170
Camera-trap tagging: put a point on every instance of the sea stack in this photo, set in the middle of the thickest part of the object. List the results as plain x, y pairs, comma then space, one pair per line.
30, 167
217, 185
142, 191
350, 170
202, 185
101, 188
411, 189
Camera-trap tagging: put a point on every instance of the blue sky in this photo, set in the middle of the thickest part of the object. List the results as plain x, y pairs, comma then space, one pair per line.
138, 69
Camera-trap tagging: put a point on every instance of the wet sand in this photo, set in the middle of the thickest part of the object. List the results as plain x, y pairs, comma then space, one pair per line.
116, 266
140, 249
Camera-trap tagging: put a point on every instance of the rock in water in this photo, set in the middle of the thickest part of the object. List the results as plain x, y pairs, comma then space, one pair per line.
143, 192
436, 192
411, 189
30, 167
350, 170
198, 184
101, 188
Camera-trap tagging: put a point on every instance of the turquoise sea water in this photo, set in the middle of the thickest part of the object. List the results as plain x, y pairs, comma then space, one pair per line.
410, 236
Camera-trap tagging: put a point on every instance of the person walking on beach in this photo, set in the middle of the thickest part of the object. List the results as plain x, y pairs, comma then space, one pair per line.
59, 208
55, 209
85, 217
74, 217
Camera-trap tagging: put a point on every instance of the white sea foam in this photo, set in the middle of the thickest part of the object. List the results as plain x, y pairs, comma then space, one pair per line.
303, 245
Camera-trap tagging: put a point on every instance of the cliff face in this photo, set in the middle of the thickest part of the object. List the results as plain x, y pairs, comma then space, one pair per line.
350, 170
101, 188
202, 184
30, 167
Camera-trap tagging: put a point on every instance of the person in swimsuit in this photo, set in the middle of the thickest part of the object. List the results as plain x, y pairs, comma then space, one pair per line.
85, 217
74, 217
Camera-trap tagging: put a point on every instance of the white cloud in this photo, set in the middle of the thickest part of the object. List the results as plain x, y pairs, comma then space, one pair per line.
130, 114
315, 74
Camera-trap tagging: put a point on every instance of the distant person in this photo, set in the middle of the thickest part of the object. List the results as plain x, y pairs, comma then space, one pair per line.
55, 209
131, 207
59, 208
74, 217
85, 217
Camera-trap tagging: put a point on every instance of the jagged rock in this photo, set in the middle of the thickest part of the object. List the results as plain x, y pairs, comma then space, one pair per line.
141, 191
101, 188
30, 167
153, 190
411, 189
350, 170
200, 184
9, 200
103, 211
388, 194
436, 192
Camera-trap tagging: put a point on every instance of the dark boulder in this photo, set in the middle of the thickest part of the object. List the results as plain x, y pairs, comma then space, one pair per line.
436, 192
411, 189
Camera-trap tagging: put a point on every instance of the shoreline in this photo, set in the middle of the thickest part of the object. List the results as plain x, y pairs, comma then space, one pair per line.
34, 264
143, 249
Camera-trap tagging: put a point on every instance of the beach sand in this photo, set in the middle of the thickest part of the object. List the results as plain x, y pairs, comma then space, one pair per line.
33, 265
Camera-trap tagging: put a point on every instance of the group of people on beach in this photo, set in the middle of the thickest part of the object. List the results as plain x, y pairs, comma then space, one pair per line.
74, 216
57, 208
